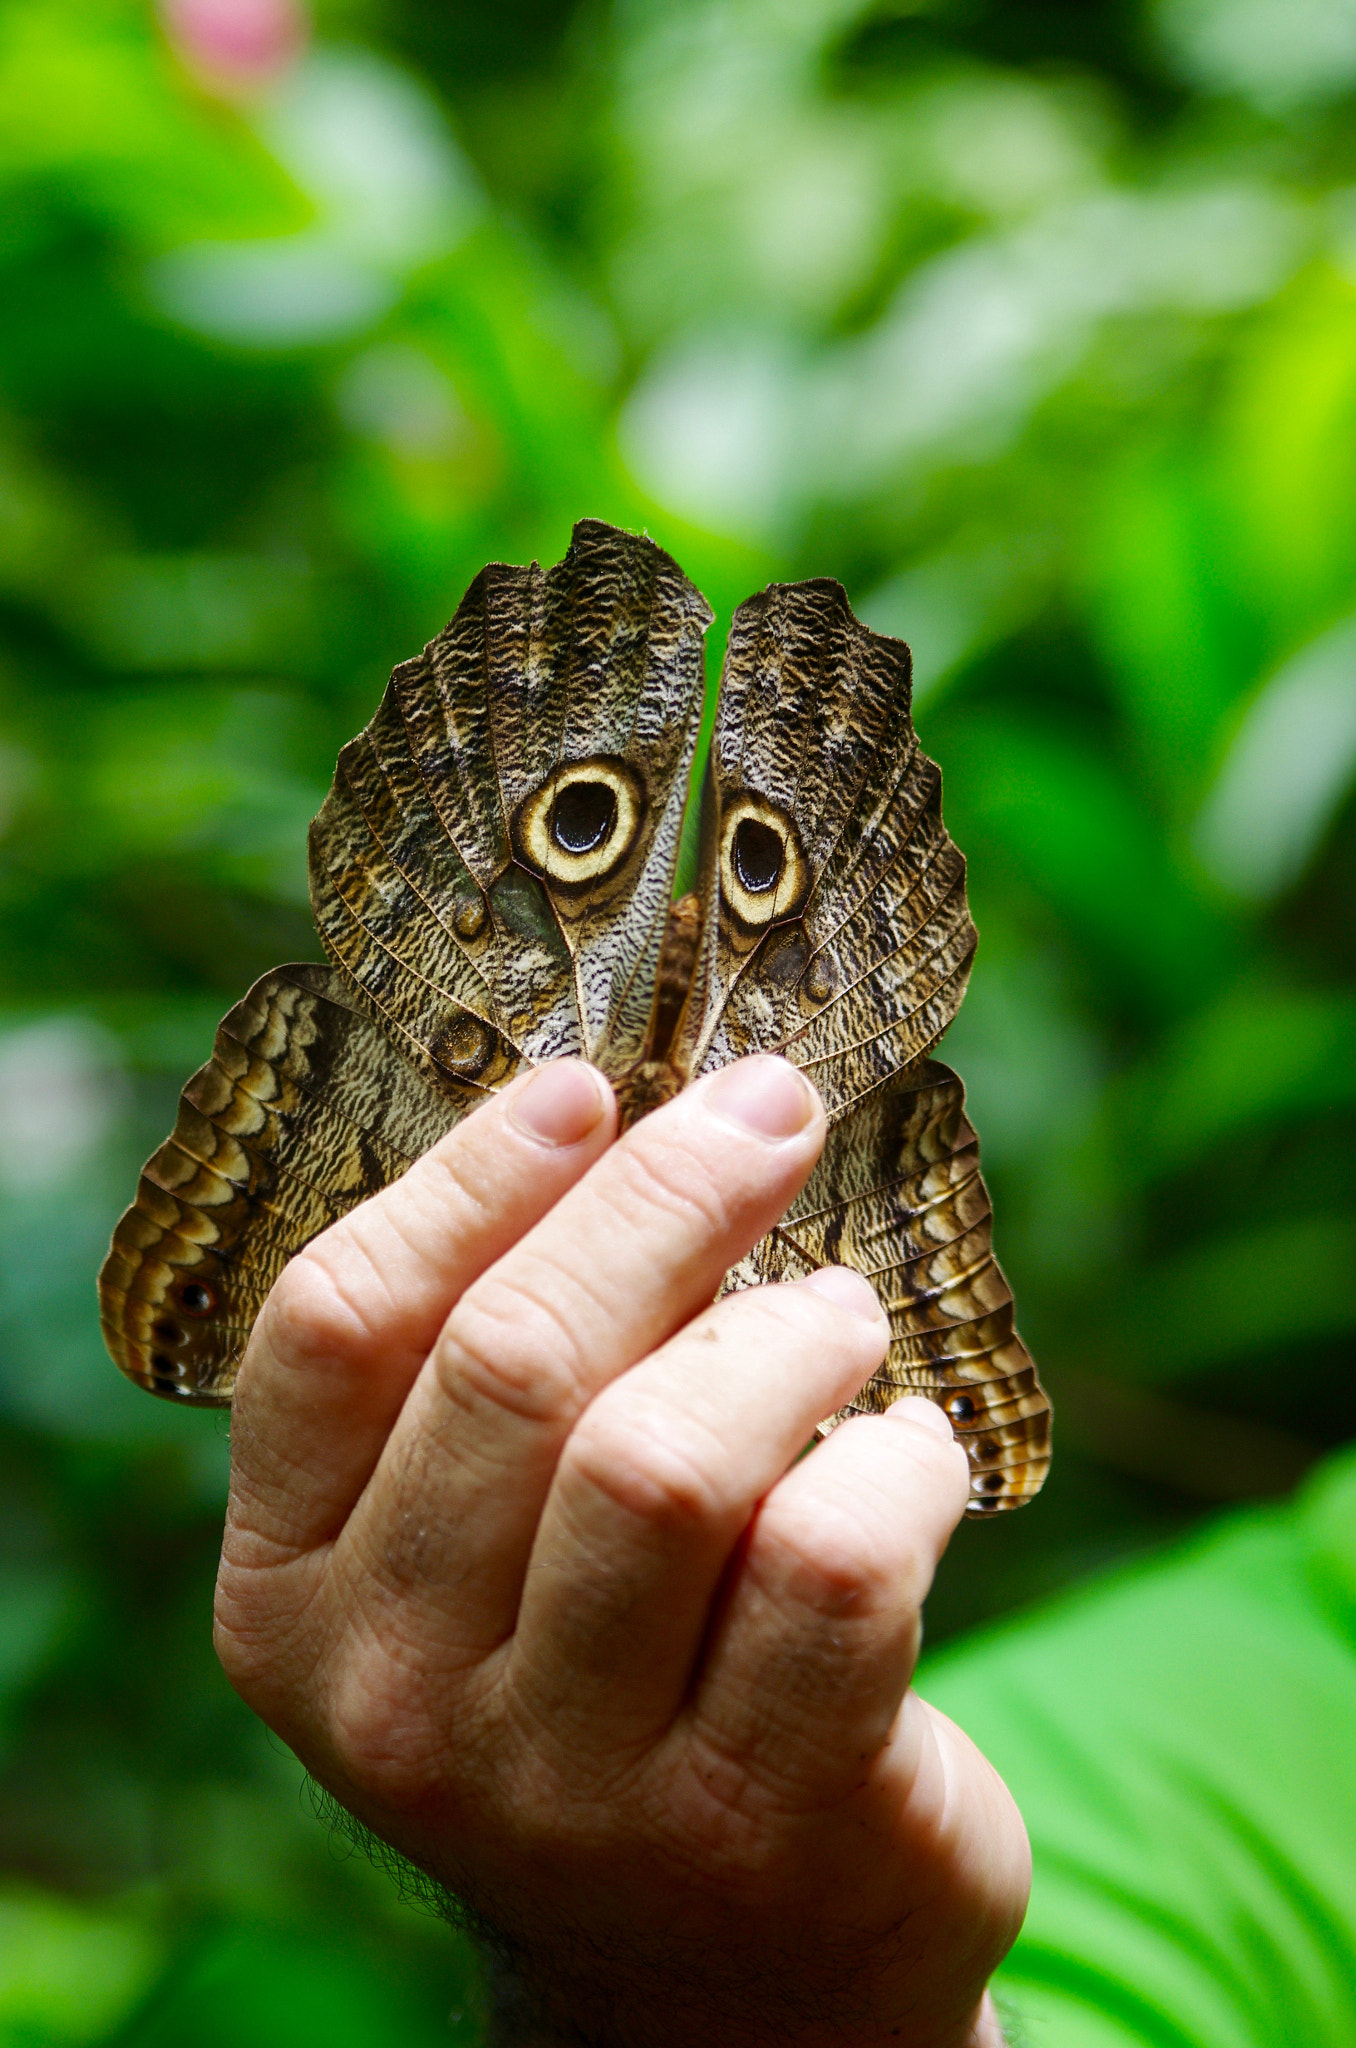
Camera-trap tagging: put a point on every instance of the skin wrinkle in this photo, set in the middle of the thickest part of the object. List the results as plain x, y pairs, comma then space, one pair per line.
662, 1176
321, 1322
491, 1355
659, 1484
759, 1718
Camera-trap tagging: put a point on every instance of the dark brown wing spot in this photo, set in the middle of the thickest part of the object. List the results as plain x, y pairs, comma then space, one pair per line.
464, 1046
470, 917
960, 1408
785, 959
195, 1299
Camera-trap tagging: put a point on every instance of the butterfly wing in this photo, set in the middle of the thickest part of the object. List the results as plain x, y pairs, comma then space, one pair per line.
899, 1195
304, 1109
494, 862
491, 874
837, 933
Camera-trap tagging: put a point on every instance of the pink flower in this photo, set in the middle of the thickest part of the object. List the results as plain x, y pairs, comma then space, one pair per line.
235, 45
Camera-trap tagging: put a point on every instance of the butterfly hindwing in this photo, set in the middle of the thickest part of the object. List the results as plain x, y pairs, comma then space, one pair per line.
304, 1109
898, 1194
491, 874
836, 931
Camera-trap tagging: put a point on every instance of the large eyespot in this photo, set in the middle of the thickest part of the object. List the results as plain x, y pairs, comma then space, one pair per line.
581, 825
764, 876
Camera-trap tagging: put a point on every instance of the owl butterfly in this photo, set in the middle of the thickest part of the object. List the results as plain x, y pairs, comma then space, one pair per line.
492, 875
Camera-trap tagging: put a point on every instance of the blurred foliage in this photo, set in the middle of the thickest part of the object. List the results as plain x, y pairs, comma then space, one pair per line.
1034, 323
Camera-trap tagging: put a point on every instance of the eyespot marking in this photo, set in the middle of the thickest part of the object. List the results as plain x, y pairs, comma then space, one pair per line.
583, 817
579, 827
465, 1046
195, 1299
758, 856
470, 917
764, 875
960, 1408
821, 979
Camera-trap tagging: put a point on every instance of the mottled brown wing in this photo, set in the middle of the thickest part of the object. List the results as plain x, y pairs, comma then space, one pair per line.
494, 862
491, 873
899, 1195
837, 932
841, 934
304, 1109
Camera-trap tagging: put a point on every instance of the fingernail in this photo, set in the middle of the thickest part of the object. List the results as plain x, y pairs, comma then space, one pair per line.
845, 1289
763, 1095
917, 1408
561, 1103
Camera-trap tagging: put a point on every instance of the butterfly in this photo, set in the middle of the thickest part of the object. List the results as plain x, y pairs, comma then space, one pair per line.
492, 875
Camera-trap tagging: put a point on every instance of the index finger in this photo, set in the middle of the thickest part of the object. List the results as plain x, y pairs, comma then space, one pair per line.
348, 1326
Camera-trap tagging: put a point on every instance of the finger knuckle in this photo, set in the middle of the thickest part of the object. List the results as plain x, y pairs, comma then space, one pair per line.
382, 1726
654, 1468
829, 1560
656, 1177
311, 1315
514, 1348
262, 1631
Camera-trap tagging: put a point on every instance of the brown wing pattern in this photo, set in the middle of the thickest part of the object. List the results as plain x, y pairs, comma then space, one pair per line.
839, 935
304, 1109
491, 874
852, 956
899, 1195
494, 862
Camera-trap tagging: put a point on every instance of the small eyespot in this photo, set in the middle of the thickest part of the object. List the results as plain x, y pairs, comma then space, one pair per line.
168, 1368
759, 856
583, 817
960, 1408
470, 917
989, 1482
821, 979
169, 1333
465, 1046
195, 1299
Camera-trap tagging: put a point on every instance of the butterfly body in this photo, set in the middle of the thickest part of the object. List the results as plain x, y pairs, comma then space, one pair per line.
492, 876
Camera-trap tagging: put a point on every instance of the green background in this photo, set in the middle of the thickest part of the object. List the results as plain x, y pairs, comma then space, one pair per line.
1036, 325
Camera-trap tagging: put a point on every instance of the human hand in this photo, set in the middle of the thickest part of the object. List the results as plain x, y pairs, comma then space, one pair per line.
520, 1562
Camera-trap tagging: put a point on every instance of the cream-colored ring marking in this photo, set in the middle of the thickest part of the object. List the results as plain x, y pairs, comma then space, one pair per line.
791, 886
543, 851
